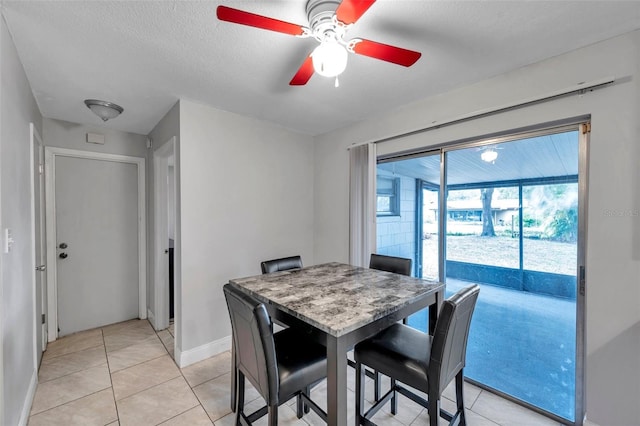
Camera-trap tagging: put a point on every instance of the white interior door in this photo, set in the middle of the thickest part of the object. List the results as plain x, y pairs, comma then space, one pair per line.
39, 242
97, 244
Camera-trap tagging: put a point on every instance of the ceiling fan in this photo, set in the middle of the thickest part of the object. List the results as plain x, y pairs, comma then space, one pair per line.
329, 21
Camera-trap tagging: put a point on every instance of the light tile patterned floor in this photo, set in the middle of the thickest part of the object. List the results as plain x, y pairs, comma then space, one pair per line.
124, 374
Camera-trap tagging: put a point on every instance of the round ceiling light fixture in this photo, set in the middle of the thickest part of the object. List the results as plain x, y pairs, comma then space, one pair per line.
329, 59
489, 155
103, 109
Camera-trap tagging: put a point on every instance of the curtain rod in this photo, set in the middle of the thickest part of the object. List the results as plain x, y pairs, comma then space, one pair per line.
579, 88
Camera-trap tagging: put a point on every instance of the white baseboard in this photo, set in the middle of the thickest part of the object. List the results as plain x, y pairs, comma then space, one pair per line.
191, 356
151, 318
28, 401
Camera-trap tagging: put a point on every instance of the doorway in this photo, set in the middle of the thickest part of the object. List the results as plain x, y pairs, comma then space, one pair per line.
165, 241
96, 253
507, 214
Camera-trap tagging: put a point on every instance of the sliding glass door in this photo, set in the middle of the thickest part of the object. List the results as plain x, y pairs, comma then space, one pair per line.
510, 223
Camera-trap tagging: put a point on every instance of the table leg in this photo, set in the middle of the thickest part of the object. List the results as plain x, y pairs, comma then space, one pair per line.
434, 309
336, 381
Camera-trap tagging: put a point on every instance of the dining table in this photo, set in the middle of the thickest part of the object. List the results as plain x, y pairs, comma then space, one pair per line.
339, 305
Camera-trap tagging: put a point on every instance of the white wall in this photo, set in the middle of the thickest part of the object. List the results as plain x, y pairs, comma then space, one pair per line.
64, 134
246, 196
613, 242
17, 108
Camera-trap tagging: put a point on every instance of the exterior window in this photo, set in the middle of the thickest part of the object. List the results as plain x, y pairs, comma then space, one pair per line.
388, 196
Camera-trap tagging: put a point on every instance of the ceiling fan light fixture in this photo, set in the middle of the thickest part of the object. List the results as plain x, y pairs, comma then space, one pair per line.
103, 109
489, 155
329, 59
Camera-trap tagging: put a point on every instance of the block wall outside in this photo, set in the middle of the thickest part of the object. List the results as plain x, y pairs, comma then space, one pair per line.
395, 235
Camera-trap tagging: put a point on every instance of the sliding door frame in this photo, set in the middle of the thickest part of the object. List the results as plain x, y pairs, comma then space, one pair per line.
583, 126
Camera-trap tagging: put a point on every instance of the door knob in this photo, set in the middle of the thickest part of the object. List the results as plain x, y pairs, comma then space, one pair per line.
63, 255
63, 245
41, 268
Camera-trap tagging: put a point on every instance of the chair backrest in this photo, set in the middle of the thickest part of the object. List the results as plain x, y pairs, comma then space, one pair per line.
253, 342
449, 346
397, 265
284, 264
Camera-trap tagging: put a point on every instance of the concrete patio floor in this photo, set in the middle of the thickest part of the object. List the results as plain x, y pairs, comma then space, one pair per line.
522, 344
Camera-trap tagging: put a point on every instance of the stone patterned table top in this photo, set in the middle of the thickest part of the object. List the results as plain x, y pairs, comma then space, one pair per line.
335, 297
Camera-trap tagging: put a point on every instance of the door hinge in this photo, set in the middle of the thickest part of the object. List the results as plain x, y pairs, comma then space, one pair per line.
43, 318
40, 169
586, 128
581, 285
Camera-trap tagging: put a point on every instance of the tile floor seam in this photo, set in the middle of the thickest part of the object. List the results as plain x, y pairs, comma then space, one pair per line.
486, 418
235, 413
67, 402
113, 391
69, 374
475, 399
208, 380
50, 357
415, 418
179, 414
143, 362
197, 399
194, 393
152, 387
134, 365
146, 389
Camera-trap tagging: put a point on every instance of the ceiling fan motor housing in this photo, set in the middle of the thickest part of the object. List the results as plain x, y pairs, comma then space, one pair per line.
320, 14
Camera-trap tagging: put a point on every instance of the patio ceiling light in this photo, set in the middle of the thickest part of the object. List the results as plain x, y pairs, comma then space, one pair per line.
489, 155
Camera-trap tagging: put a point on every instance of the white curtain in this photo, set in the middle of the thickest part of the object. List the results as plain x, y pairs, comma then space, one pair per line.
362, 204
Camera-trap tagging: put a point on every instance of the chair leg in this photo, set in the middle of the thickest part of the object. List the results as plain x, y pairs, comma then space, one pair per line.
273, 415
377, 385
360, 378
239, 396
434, 407
234, 378
460, 397
394, 398
307, 391
299, 406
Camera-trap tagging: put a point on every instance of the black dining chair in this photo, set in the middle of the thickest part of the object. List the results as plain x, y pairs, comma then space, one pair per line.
426, 363
279, 365
283, 264
397, 265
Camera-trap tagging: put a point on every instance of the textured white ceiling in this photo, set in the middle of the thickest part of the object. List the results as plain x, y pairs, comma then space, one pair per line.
145, 55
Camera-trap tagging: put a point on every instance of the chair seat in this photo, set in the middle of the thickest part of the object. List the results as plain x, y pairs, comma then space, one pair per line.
400, 352
299, 365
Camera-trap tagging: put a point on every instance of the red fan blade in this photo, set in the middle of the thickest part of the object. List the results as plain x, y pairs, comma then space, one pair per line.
350, 11
397, 55
252, 20
304, 73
